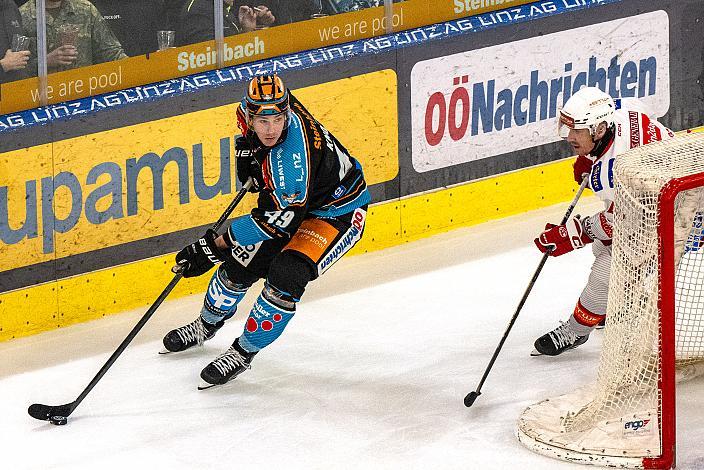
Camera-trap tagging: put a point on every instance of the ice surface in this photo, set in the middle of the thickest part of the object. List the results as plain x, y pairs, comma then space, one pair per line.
370, 373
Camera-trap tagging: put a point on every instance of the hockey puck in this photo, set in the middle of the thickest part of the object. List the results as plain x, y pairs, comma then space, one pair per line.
58, 420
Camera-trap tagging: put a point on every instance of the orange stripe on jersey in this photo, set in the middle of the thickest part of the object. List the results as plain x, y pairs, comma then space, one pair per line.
266, 174
354, 192
313, 238
242, 120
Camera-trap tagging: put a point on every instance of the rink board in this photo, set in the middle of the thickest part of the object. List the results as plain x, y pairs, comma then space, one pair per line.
118, 288
152, 179
99, 193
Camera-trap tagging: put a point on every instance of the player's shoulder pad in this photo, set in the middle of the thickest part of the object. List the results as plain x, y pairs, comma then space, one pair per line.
313, 130
289, 166
624, 105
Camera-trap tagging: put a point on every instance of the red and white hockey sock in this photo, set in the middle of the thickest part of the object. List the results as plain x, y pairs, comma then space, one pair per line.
583, 321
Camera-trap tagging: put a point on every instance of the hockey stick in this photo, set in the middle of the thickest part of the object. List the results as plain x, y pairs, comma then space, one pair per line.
471, 396
59, 414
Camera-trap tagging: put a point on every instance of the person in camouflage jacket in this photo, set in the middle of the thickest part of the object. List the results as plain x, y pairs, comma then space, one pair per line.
95, 43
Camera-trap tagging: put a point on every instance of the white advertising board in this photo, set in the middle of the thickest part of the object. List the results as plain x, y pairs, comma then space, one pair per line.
504, 98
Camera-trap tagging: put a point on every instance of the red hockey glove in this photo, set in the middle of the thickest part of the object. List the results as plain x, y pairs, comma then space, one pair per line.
560, 239
582, 168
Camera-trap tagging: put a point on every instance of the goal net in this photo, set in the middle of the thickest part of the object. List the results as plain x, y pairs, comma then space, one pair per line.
654, 322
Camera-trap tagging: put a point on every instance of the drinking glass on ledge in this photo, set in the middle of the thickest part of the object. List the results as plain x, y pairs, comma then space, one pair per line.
165, 39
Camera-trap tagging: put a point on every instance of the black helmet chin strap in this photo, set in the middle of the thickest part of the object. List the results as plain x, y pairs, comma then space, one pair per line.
252, 139
601, 144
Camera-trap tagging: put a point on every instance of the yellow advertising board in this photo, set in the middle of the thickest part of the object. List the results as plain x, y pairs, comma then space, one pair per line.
106, 189
241, 49
141, 181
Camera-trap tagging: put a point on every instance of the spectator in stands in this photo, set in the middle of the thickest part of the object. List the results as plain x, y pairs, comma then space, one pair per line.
300, 10
197, 19
173, 12
12, 64
356, 5
91, 43
291, 12
135, 22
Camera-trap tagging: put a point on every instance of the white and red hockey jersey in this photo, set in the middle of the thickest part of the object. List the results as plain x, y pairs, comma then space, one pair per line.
633, 128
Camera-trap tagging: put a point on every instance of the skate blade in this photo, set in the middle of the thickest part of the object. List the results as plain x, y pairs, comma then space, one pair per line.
164, 352
535, 353
203, 385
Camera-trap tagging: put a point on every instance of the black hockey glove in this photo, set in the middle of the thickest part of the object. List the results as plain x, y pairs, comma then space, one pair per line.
199, 257
247, 165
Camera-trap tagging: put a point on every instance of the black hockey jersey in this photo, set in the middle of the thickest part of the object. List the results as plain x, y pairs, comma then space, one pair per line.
309, 173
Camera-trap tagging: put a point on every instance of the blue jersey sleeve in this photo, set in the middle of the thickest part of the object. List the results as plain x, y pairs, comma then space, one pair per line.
283, 203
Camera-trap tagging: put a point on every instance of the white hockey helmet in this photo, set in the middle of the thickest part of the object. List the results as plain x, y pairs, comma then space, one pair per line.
586, 109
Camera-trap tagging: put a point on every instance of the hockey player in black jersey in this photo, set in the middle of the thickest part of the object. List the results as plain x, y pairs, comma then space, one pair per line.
311, 210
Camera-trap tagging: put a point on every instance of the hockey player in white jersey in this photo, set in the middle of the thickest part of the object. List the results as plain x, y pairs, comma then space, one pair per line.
598, 133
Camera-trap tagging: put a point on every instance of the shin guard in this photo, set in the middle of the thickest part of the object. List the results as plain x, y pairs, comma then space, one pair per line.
222, 298
267, 320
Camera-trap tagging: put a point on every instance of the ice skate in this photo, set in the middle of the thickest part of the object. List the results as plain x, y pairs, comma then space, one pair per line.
185, 337
226, 366
558, 341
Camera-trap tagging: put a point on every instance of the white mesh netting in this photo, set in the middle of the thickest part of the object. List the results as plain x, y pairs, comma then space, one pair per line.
615, 421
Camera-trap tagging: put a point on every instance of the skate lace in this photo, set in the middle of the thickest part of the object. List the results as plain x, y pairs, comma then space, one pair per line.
194, 331
229, 361
563, 335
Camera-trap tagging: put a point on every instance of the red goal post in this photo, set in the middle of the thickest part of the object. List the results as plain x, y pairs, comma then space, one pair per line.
666, 305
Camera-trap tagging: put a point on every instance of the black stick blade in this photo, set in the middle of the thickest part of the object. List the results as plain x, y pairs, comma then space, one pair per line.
469, 399
46, 412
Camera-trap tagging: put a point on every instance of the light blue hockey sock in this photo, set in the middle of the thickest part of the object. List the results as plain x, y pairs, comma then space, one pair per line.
222, 298
266, 321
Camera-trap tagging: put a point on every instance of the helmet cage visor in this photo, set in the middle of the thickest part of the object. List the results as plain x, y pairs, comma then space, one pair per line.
566, 123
